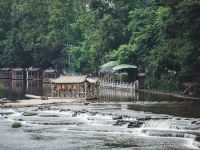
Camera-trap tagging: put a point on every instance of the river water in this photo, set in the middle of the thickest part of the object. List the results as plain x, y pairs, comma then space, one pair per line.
118, 120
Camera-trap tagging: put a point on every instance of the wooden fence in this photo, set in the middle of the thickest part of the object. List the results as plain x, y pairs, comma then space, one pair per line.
118, 85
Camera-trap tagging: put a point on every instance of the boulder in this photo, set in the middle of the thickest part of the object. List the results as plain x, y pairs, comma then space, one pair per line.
135, 124
117, 117
121, 122
44, 98
49, 115
29, 114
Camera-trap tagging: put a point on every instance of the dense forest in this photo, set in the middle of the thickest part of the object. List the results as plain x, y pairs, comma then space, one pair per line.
84, 34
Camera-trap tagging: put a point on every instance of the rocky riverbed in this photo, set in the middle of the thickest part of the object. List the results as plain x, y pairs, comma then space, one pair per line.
95, 126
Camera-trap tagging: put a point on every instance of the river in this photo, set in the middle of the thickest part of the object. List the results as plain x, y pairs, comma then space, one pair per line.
118, 120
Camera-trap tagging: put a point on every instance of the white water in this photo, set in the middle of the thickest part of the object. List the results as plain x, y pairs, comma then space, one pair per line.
77, 124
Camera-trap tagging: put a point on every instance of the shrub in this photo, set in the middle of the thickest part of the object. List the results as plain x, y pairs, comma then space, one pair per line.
16, 125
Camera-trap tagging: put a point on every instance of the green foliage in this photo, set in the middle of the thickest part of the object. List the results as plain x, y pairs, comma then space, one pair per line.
16, 125
166, 83
125, 54
39, 32
84, 34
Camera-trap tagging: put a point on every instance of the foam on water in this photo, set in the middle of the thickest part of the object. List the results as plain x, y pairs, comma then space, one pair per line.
100, 119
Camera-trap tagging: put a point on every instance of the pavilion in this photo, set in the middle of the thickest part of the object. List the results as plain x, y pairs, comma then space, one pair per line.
74, 87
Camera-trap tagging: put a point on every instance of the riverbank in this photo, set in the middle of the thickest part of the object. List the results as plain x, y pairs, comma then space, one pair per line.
35, 102
177, 95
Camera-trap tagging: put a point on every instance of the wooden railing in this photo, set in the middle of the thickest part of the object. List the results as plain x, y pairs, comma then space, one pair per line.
117, 85
75, 94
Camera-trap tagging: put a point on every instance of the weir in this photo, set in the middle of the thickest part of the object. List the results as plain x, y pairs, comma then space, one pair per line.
100, 121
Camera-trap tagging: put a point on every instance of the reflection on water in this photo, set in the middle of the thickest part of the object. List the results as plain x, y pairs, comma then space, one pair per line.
118, 120
155, 103
34, 87
16, 89
160, 104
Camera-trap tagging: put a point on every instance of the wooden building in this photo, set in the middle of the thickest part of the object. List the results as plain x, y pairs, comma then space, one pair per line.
33, 73
74, 87
18, 74
34, 87
49, 73
5, 73
18, 86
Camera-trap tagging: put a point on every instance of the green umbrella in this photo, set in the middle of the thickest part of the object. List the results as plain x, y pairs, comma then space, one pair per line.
108, 66
124, 66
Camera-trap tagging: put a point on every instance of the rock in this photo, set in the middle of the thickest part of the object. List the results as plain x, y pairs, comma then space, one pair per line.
64, 110
44, 108
125, 116
121, 122
5, 113
93, 113
49, 116
44, 98
161, 118
135, 124
178, 118
86, 103
197, 123
20, 119
29, 114
117, 117
194, 122
197, 138
145, 118
32, 130
55, 123
74, 114
90, 119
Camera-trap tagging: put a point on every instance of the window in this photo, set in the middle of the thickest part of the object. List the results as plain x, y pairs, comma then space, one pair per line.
19, 73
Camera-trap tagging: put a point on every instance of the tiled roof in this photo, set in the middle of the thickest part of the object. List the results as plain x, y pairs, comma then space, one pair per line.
5, 69
17, 69
72, 79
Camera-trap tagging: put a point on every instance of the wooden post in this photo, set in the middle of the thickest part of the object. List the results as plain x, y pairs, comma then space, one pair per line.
51, 89
131, 86
85, 89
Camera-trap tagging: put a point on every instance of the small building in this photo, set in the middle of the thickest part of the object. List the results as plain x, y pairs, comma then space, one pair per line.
18, 86
18, 74
33, 73
74, 87
34, 87
5, 73
49, 73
